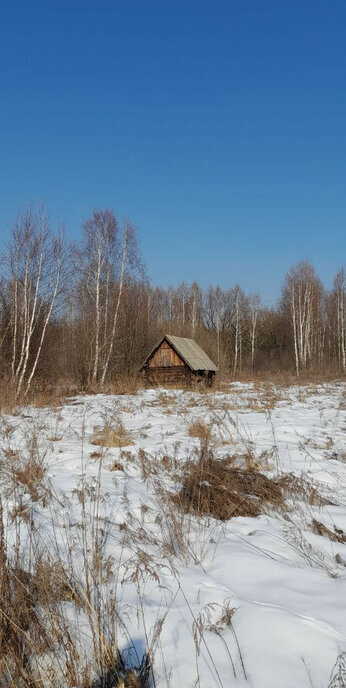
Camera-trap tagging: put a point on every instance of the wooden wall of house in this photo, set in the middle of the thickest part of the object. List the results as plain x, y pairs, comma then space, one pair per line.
177, 376
167, 375
165, 357
165, 367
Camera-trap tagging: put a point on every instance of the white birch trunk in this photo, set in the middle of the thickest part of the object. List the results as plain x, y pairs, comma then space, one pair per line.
294, 323
31, 318
97, 312
116, 312
45, 324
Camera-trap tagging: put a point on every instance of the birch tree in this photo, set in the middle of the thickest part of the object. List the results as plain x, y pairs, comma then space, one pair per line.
5, 324
339, 296
182, 298
195, 307
254, 304
213, 315
129, 266
34, 259
97, 257
302, 299
108, 259
218, 309
238, 325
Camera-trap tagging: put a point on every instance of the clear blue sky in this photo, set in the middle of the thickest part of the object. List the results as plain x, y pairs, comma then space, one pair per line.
218, 127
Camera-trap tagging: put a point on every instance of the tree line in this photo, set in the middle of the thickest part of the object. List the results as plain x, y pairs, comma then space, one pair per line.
86, 314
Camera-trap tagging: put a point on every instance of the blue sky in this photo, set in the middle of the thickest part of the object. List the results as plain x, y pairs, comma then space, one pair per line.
219, 128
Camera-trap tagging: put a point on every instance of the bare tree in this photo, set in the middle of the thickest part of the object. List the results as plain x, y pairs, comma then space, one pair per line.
254, 304
97, 258
218, 311
34, 259
339, 292
182, 297
195, 307
302, 294
5, 324
129, 266
108, 259
238, 319
113, 316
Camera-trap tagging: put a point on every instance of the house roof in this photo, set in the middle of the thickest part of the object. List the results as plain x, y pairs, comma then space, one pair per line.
190, 352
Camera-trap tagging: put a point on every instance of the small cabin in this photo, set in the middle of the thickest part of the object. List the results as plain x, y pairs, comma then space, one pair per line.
178, 361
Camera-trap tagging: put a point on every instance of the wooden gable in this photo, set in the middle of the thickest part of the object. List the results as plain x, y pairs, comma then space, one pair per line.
165, 357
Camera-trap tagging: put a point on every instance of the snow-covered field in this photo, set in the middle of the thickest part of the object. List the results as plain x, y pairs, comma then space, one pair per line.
257, 602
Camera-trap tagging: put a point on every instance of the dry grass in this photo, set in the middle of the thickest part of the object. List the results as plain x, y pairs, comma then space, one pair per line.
38, 595
115, 466
237, 486
96, 455
336, 535
8, 401
219, 488
31, 597
121, 386
24, 473
31, 476
164, 399
303, 488
40, 395
34, 630
112, 436
199, 429
338, 674
54, 438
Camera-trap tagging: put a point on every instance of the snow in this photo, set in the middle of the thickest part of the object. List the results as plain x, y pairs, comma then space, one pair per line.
285, 583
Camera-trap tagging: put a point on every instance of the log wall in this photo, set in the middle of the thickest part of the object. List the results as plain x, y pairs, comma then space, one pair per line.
173, 375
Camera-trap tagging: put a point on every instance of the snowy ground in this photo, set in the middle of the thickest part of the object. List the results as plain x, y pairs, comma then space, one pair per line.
285, 582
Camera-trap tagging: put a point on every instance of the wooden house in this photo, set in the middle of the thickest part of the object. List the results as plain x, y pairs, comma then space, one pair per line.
176, 361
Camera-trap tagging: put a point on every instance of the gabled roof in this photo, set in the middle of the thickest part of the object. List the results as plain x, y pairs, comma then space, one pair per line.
189, 351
